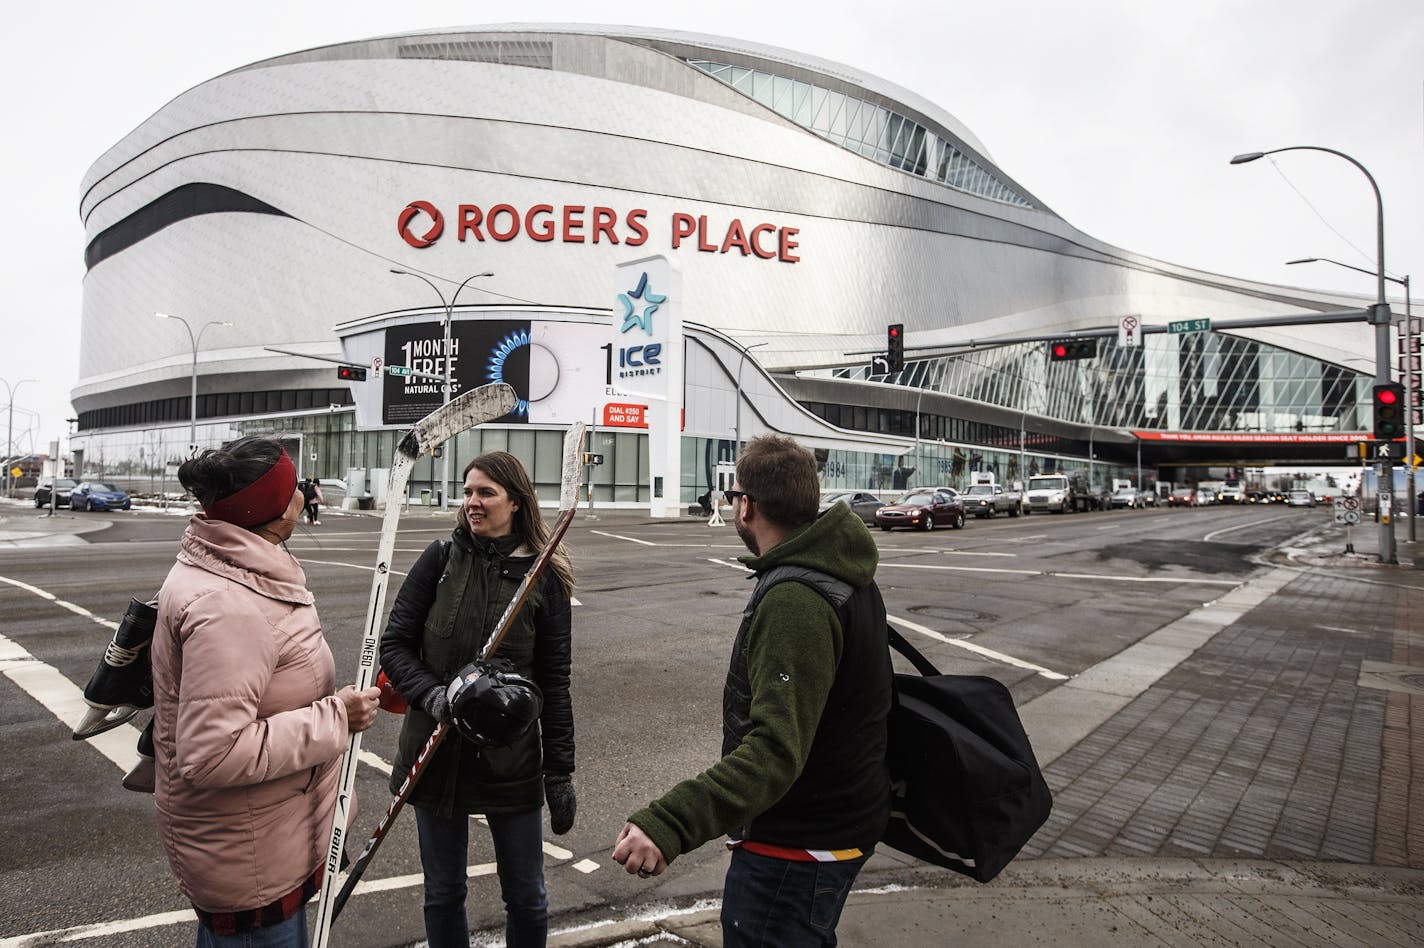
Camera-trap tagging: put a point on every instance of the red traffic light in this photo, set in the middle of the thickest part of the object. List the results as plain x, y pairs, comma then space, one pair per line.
351, 373
894, 332
1387, 396
1065, 350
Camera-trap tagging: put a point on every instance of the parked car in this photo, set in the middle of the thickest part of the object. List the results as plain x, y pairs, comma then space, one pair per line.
1127, 497
1182, 497
923, 509
1300, 498
862, 503
98, 495
61, 494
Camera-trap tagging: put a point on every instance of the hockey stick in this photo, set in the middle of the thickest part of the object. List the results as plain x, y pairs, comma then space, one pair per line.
568, 502
472, 408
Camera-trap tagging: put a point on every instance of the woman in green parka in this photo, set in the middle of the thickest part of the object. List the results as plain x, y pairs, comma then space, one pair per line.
444, 612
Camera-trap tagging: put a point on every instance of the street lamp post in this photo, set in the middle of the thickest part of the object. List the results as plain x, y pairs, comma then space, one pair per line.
1407, 373
193, 404
10, 440
445, 357
1379, 318
737, 444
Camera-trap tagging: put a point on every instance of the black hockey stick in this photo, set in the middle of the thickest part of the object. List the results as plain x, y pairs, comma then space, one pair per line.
568, 498
475, 407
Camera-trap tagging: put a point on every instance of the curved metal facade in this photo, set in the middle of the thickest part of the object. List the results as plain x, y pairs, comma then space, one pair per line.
805, 203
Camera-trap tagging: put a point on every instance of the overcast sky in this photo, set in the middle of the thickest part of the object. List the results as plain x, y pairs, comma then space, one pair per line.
1121, 115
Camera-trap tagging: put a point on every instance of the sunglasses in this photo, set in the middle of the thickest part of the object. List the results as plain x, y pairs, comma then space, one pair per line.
732, 495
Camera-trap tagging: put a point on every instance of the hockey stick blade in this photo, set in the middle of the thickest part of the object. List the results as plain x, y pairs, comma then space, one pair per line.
475, 407
568, 501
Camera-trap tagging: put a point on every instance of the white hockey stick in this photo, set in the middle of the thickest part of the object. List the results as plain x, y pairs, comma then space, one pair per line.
568, 502
475, 407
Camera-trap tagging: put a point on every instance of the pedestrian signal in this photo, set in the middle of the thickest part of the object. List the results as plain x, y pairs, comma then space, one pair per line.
1068, 350
895, 346
1389, 411
351, 373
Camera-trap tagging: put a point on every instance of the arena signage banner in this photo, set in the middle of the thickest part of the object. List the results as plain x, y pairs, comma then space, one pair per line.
646, 360
422, 223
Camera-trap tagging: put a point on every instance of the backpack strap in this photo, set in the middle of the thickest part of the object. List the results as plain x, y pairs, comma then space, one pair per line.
833, 590
900, 644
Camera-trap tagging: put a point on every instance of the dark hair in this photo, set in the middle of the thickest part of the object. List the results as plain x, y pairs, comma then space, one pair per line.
506, 470
221, 472
780, 476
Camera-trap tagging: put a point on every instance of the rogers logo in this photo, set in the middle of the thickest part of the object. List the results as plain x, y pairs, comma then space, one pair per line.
437, 224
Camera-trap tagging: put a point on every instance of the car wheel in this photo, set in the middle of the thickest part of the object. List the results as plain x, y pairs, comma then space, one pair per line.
929, 523
885, 528
1014, 511
38, 503
957, 523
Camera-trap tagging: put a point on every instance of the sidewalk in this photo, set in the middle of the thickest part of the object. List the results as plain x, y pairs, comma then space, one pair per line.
1252, 774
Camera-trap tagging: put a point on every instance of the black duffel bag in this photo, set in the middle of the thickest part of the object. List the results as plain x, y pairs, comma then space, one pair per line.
967, 793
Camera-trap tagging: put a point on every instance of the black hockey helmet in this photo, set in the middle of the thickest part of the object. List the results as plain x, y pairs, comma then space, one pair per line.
491, 704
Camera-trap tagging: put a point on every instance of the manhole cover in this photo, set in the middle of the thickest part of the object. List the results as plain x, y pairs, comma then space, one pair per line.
954, 615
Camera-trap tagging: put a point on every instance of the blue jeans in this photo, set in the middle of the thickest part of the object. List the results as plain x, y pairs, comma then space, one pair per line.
777, 903
519, 857
290, 934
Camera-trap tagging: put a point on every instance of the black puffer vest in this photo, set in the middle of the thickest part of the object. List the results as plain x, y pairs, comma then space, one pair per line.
841, 800
477, 583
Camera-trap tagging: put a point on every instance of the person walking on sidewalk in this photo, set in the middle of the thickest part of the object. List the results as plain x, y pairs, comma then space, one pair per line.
312, 500
802, 787
445, 610
249, 728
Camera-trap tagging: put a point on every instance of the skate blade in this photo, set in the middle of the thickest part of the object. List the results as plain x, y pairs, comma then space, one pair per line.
100, 718
141, 778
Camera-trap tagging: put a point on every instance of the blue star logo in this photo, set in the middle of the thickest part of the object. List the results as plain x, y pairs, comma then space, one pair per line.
649, 298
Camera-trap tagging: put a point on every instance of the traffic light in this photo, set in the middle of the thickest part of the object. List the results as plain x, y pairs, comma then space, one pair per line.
351, 373
1068, 350
895, 346
1389, 411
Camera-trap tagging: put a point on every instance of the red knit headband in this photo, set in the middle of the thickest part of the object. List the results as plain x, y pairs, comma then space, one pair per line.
262, 501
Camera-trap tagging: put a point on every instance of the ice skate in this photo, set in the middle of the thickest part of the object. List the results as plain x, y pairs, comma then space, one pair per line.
122, 685
140, 777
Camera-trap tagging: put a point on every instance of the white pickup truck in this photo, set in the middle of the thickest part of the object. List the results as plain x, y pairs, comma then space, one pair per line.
986, 500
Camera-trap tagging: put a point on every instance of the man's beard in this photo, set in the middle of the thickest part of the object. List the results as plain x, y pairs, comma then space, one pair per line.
746, 536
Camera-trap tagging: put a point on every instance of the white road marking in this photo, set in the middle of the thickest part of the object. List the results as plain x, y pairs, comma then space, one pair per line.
1240, 526
736, 566
977, 649
109, 624
617, 536
1051, 575
1149, 579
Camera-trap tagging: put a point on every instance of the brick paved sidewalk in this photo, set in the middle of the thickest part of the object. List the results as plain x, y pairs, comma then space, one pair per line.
1265, 743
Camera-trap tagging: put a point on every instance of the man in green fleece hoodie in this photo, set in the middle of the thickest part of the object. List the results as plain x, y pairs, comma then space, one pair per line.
802, 787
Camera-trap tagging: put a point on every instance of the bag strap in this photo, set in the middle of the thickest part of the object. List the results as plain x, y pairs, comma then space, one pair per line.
899, 644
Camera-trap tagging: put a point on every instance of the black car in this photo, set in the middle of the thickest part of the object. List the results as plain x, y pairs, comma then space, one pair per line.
42, 492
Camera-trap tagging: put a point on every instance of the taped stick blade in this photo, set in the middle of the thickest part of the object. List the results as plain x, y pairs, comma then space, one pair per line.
476, 407
573, 451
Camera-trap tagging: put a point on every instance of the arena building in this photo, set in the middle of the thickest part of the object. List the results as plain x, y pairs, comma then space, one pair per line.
515, 177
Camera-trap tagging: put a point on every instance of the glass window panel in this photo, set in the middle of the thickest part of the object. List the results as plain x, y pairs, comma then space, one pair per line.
761, 88
819, 119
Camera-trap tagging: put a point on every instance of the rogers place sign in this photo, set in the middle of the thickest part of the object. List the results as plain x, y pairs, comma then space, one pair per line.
421, 223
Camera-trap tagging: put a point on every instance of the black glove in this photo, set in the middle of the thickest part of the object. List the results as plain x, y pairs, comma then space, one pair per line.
559, 792
436, 704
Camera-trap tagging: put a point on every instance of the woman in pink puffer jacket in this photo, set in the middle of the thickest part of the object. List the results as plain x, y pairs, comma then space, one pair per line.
248, 726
